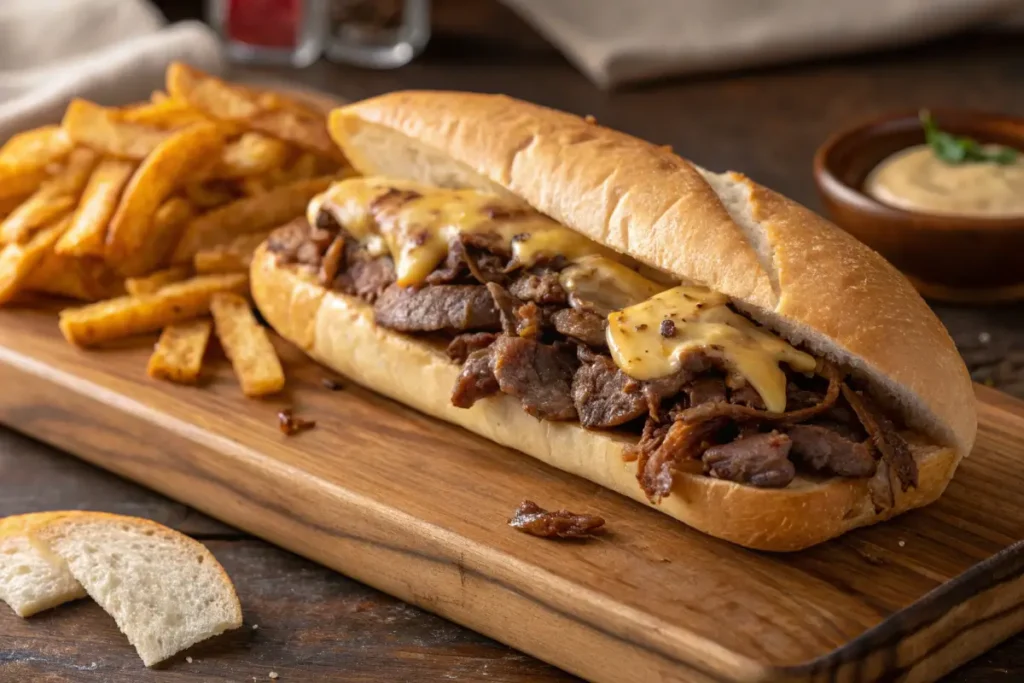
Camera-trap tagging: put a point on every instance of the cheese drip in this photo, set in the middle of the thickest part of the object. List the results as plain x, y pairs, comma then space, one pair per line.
415, 223
698, 318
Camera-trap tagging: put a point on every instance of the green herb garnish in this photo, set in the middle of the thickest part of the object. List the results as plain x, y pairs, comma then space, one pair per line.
955, 149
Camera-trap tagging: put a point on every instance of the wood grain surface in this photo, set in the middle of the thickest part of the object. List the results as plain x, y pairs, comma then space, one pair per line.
417, 509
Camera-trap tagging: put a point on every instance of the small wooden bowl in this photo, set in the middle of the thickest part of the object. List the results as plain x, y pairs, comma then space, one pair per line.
950, 258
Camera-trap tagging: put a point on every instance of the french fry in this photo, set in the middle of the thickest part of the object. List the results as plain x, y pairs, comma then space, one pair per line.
292, 123
159, 96
129, 315
9, 204
178, 356
54, 198
250, 214
247, 346
35, 149
151, 184
254, 186
251, 155
232, 257
98, 128
84, 278
153, 282
209, 194
165, 114
16, 183
17, 261
88, 230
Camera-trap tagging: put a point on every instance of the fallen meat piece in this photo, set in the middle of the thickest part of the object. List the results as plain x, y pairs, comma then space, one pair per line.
435, 308
289, 424
760, 460
825, 450
887, 440
532, 519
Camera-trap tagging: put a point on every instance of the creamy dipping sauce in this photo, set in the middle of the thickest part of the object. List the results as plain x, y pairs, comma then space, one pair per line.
915, 179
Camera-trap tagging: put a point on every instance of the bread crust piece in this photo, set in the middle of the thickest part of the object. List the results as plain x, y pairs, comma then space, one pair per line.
339, 331
781, 263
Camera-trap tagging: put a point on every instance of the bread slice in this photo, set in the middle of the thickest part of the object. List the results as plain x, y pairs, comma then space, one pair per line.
32, 578
165, 590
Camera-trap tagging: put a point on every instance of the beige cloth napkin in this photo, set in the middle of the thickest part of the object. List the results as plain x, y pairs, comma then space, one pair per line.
620, 41
110, 51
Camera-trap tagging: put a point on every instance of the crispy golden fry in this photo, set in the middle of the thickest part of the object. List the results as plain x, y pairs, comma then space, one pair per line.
9, 204
88, 230
251, 214
153, 282
98, 128
251, 155
149, 187
158, 96
178, 355
231, 257
254, 186
247, 346
292, 123
168, 224
35, 212
165, 114
16, 183
84, 278
54, 198
17, 261
35, 149
129, 315
210, 193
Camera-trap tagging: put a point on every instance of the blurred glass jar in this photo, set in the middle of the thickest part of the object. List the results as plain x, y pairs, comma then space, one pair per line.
271, 32
379, 34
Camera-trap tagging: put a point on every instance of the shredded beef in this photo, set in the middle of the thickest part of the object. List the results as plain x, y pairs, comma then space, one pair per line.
476, 381
366, 277
532, 519
761, 460
464, 260
440, 307
887, 440
742, 393
710, 389
464, 344
587, 327
507, 306
662, 451
605, 396
540, 288
825, 450
539, 375
740, 413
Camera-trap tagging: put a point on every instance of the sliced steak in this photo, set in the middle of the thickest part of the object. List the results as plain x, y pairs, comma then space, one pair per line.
884, 436
476, 381
540, 288
365, 276
461, 346
587, 327
740, 392
759, 460
507, 305
436, 307
825, 450
464, 261
605, 396
539, 375
532, 519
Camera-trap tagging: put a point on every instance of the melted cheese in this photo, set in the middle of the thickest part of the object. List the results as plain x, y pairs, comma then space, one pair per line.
605, 285
701, 319
417, 228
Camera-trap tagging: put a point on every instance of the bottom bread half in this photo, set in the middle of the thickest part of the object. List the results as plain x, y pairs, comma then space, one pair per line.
339, 331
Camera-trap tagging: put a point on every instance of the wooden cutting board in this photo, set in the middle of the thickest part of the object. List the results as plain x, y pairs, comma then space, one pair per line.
417, 508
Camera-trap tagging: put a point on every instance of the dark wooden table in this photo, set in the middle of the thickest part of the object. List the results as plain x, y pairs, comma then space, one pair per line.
315, 625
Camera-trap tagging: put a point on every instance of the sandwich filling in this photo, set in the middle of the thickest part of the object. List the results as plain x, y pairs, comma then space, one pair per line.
577, 332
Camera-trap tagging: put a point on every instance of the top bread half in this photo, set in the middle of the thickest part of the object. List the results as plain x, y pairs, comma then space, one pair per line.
781, 263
